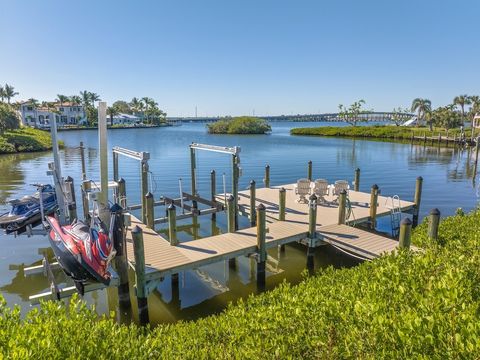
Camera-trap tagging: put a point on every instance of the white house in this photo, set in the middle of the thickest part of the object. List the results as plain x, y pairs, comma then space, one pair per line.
67, 113
476, 121
125, 119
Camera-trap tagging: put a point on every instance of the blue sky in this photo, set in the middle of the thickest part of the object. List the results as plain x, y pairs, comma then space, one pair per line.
234, 57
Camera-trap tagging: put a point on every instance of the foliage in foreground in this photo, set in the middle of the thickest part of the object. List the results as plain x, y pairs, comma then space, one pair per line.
400, 306
377, 131
25, 140
239, 125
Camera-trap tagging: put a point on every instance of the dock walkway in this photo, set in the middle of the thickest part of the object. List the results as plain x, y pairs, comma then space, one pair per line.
162, 259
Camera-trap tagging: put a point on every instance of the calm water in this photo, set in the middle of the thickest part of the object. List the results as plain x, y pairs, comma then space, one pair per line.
448, 184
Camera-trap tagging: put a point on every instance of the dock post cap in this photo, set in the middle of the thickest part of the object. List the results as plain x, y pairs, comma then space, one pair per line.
212, 172
261, 207
406, 221
309, 161
171, 206
252, 182
230, 198
267, 166
435, 211
69, 179
121, 180
357, 169
137, 230
149, 194
282, 189
419, 178
313, 197
116, 208
374, 186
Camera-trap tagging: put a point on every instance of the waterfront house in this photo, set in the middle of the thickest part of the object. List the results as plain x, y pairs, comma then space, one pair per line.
126, 119
39, 116
476, 121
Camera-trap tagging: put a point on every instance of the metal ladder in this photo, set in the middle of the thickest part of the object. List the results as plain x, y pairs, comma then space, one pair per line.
395, 215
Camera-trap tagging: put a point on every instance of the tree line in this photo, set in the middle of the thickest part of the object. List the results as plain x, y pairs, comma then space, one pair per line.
450, 116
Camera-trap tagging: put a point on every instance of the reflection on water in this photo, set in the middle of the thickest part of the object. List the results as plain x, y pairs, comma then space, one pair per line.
448, 183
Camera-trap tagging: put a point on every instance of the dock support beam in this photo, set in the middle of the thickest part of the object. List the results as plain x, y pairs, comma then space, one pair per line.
433, 223
309, 171
342, 207
120, 260
266, 180
373, 206
86, 187
172, 224
312, 230
193, 171
115, 166
102, 140
405, 233
356, 184
121, 193
82, 157
282, 210
150, 211
235, 176
72, 204
253, 212
477, 149
213, 189
231, 223
417, 200
144, 190
138, 251
261, 246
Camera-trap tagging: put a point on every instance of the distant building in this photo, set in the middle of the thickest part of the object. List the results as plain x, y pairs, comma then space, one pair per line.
125, 119
37, 116
476, 121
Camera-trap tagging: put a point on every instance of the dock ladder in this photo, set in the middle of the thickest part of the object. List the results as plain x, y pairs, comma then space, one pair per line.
395, 214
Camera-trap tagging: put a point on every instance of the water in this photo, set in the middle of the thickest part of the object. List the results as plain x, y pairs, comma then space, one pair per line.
448, 184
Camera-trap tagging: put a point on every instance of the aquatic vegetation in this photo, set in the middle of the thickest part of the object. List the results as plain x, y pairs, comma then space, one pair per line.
403, 305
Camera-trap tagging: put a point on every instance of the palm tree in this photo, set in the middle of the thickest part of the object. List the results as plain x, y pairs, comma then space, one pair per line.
75, 100
61, 99
135, 104
461, 101
112, 111
475, 101
85, 95
94, 97
422, 106
2, 93
9, 92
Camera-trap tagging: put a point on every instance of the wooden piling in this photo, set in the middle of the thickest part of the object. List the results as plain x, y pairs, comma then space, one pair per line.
193, 169
72, 204
122, 193
150, 212
140, 283
86, 187
253, 213
373, 206
115, 166
417, 200
356, 185
266, 180
231, 222
261, 246
405, 233
282, 204
309, 171
312, 216
172, 224
433, 223
235, 176
144, 190
213, 190
82, 157
342, 207
120, 260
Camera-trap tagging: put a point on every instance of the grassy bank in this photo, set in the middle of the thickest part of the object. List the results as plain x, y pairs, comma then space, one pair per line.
239, 125
399, 306
25, 140
378, 132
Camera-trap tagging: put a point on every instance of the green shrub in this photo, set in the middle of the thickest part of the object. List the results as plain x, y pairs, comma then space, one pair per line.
239, 125
403, 305
25, 140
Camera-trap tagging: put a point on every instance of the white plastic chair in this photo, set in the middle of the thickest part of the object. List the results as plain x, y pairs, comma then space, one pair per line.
321, 189
339, 186
303, 189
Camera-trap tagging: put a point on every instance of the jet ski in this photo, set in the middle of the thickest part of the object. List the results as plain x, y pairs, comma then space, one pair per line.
28, 209
84, 251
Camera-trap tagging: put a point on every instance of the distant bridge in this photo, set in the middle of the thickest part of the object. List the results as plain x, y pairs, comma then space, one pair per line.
367, 116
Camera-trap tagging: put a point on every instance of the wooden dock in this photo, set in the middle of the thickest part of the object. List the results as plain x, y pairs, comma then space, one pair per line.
163, 259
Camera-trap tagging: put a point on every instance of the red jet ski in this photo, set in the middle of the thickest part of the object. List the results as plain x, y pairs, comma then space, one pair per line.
83, 251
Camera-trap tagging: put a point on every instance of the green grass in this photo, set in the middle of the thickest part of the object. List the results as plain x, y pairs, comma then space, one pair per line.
377, 131
398, 307
25, 140
239, 125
